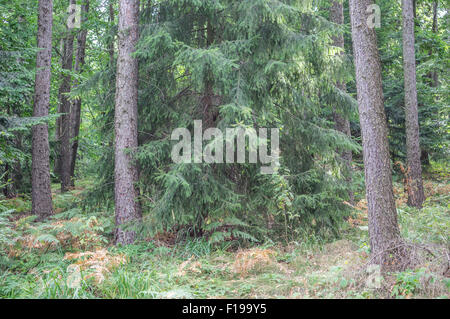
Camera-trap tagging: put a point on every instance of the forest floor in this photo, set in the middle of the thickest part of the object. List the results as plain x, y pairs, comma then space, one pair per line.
69, 257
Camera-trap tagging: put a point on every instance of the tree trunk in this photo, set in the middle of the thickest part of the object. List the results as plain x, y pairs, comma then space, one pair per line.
342, 124
7, 189
40, 176
126, 139
111, 43
76, 107
57, 149
66, 149
383, 227
434, 74
17, 170
414, 171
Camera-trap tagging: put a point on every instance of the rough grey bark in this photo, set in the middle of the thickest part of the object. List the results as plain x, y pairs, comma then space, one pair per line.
76, 106
342, 123
64, 90
414, 171
126, 112
383, 227
41, 194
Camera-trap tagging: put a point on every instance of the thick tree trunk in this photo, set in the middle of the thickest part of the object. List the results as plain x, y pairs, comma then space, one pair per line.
76, 106
66, 149
383, 227
414, 179
40, 176
126, 172
342, 124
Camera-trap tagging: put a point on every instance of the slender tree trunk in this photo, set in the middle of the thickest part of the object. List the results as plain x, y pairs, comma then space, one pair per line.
111, 43
434, 74
66, 149
383, 227
76, 107
434, 77
126, 139
6, 181
57, 166
41, 194
414, 171
209, 111
342, 124
17, 170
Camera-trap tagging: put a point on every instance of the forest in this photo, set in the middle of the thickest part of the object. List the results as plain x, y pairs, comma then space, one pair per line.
223, 149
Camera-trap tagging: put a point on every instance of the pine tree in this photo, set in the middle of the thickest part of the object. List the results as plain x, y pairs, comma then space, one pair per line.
126, 172
64, 90
76, 106
430, 58
414, 171
41, 192
383, 227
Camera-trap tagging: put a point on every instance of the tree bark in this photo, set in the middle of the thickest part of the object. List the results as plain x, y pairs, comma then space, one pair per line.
66, 149
7, 189
342, 124
17, 170
57, 149
414, 171
126, 112
76, 107
41, 194
383, 227
111, 43
434, 74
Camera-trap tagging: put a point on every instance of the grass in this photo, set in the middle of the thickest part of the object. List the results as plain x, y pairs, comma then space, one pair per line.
73, 257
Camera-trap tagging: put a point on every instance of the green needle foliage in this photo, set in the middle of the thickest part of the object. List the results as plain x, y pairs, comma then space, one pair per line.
243, 64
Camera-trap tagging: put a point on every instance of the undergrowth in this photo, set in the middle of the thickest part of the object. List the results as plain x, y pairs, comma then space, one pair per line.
72, 256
